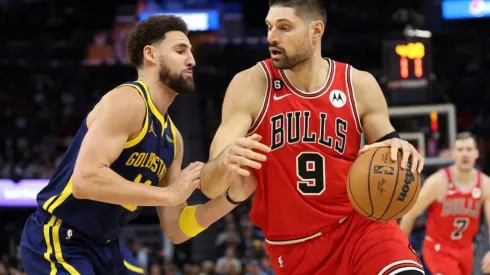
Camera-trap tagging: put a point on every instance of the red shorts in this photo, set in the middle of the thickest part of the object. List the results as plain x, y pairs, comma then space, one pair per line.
357, 246
446, 260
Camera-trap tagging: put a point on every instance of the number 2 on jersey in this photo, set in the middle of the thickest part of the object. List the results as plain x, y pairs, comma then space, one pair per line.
310, 169
461, 224
130, 207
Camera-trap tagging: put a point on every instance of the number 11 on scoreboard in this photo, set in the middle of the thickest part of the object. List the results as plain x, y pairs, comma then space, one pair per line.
411, 51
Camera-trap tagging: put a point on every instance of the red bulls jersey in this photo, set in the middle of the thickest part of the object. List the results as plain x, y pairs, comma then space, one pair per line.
456, 219
315, 138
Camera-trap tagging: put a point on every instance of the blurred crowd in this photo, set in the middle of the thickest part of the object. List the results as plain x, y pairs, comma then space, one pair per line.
239, 249
53, 71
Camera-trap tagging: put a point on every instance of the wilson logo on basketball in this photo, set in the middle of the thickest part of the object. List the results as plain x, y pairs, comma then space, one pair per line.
409, 179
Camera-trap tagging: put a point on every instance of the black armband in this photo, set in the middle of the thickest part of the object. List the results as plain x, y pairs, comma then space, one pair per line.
230, 200
391, 135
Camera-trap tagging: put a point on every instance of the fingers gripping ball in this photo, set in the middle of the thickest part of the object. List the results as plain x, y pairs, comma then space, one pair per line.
379, 189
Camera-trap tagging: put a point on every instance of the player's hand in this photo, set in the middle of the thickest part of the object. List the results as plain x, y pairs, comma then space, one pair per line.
182, 186
485, 263
241, 188
407, 151
241, 153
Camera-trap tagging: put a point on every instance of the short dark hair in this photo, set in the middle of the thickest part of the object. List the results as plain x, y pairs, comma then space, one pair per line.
466, 135
149, 31
311, 9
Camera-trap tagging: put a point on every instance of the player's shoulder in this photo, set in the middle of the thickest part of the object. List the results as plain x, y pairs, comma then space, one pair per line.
247, 85
361, 78
254, 73
437, 180
122, 104
485, 180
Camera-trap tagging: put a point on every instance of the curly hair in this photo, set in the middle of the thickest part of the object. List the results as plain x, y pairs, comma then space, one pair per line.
150, 31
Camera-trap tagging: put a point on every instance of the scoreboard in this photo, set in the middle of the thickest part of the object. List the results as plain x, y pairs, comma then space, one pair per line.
407, 67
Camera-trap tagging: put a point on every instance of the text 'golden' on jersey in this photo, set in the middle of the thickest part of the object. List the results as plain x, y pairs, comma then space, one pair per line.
300, 126
147, 160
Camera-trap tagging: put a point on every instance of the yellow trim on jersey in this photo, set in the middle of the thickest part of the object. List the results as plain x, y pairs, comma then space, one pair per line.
173, 129
134, 268
55, 201
49, 250
57, 249
144, 130
153, 108
54, 225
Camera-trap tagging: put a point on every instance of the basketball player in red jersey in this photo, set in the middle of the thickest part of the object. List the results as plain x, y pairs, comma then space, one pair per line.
310, 112
453, 197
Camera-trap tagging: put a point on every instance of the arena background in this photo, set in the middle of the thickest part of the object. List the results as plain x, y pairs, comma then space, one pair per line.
58, 57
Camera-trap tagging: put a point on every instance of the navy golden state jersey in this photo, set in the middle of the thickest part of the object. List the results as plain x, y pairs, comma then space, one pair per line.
144, 160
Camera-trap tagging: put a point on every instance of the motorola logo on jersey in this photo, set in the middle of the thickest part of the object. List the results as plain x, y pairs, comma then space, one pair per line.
295, 127
337, 98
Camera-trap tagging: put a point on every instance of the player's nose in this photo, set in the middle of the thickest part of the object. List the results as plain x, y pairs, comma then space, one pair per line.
272, 38
190, 61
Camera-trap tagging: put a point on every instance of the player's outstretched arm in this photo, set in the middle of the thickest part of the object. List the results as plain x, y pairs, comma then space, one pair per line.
183, 222
375, 121
117, 118
230, 150
432, 190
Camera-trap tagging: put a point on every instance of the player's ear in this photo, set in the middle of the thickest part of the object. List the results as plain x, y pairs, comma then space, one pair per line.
149, 53
318, 29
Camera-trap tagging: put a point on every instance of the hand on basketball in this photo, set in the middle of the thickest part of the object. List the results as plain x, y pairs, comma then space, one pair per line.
241, 153
485, 263
407, 151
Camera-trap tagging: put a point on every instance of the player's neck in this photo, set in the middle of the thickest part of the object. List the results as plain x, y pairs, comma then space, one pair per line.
464, 177
161, 95
310, 75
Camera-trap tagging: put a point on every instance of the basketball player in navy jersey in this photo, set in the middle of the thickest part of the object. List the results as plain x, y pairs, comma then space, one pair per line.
126, 154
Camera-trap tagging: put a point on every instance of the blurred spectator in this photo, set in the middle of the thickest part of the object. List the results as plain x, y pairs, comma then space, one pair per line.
228, 264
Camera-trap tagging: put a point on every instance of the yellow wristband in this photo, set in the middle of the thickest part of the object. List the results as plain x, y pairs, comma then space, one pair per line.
188, 222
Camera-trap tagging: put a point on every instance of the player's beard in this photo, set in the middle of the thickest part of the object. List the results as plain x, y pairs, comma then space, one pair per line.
287, 62
176, 81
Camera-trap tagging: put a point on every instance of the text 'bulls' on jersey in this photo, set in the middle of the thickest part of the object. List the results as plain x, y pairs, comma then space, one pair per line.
315, 138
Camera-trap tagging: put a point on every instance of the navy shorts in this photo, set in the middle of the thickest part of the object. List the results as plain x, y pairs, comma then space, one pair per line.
49, 247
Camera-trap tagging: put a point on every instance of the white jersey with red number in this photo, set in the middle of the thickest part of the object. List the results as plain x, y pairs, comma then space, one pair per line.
456, 219
315, 138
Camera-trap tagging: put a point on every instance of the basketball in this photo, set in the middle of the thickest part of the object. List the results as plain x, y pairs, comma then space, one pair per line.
379, 189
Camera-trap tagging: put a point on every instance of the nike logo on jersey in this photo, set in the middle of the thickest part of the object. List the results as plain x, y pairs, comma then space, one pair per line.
280, 97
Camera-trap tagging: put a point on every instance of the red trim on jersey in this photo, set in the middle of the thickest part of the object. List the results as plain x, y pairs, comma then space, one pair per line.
265, 103
328, 82
350, 92
397, 267
478, 180
449, 176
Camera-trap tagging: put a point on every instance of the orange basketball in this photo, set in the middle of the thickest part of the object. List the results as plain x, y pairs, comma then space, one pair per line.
379, 189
